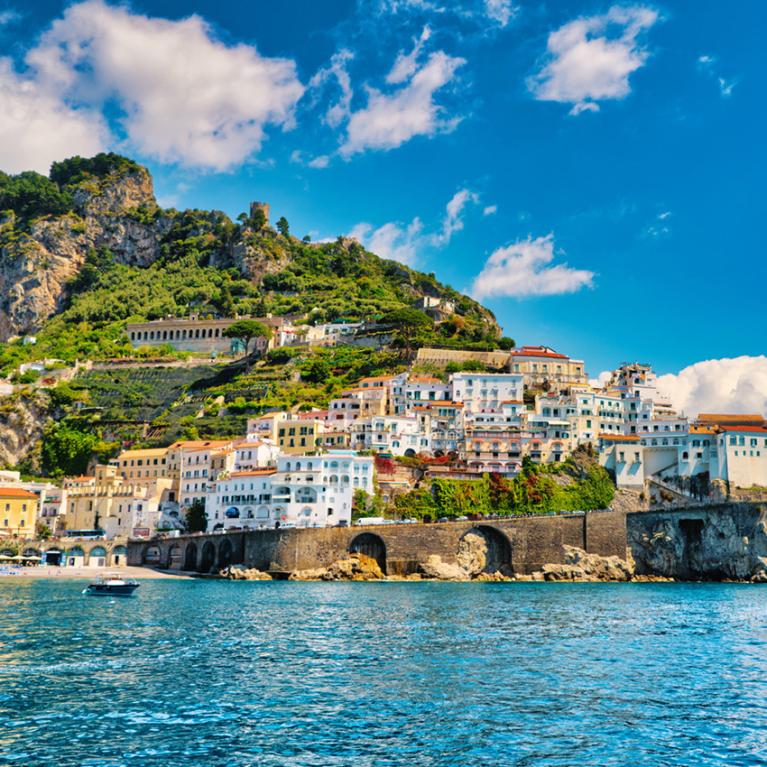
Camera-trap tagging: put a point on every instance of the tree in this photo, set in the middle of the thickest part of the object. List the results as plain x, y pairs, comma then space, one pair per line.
283, 227
30, 195
258, 219
506, 343
315, 371
66, 451
246, 331
410, 324
196, 517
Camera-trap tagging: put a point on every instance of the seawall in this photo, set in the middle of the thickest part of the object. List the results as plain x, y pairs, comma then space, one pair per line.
522, 544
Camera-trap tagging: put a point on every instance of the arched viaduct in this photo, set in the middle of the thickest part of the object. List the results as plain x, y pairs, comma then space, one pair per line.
521, 545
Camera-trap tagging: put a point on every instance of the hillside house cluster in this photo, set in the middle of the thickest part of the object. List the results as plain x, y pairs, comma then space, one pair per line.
304, 469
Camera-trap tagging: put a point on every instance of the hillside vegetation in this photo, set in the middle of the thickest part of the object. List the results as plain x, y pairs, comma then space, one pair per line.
117, 256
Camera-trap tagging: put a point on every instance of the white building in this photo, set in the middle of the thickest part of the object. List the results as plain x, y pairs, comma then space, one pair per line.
397, 435
486, 392
304, 491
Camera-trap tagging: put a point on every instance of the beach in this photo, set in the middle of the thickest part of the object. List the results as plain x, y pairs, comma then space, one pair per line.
88, 573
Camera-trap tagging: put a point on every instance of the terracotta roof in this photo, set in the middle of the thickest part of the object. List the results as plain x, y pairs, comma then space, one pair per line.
424, 379
16, 492
538, 351
254, 473
620, 437
701, 430
755, 429
201, 443
721, 419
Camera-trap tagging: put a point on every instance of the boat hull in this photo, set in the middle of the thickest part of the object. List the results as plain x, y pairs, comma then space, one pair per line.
111, 590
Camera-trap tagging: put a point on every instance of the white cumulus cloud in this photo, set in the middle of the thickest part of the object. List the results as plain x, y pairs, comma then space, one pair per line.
37, 126
525, 268
184, 96
729, 385
591, 58
405, 242
394, 241
390, 119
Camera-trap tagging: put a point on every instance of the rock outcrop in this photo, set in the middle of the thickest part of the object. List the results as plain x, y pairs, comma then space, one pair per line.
355, 567
119, 213
579, 565
22, 418
435, 568
720, 543
242, 573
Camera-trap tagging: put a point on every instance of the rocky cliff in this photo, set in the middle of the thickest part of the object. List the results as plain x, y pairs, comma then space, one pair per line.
38, 263
51, 227
727, 542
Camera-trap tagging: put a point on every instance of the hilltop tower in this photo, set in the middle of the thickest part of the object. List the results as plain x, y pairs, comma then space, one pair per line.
264, 206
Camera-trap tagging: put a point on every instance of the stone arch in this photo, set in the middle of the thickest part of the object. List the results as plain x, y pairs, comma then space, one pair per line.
484, 549
97, 557
152, 555
370, 545
190, 556
75, 556
207, 558
173, 560
119, 555
224, 554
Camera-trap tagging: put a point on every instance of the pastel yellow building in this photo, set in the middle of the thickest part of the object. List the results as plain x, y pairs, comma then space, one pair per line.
298, 436
18, 511
143, 466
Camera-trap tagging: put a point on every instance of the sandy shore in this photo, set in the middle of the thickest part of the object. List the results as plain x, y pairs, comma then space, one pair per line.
74, 573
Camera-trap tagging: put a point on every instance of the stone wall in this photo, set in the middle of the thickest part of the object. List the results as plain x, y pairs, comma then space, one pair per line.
727, 541
526, 543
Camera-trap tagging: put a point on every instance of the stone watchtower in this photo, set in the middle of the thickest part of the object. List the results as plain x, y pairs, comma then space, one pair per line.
264, 206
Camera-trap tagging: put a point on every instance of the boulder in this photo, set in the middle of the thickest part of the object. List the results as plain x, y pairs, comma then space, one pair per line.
472, 553
242, 573
579, 565
435, 568
355, 567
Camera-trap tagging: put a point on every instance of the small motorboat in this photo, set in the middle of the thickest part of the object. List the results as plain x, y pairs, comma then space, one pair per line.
111, 585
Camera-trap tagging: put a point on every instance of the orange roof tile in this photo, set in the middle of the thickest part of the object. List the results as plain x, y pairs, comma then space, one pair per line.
537, 351
16, 492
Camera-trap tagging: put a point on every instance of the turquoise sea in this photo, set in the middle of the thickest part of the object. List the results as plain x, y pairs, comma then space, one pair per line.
215, 674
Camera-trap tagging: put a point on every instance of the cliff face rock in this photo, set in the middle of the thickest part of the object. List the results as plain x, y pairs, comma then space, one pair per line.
34, 272
37, 265
716, 543
21, 426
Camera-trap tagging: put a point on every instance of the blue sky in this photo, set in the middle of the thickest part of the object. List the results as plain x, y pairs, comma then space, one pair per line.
593, 172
